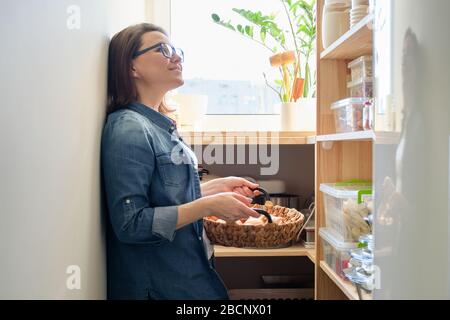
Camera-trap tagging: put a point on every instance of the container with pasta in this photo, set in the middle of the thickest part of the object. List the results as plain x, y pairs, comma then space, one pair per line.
347, 207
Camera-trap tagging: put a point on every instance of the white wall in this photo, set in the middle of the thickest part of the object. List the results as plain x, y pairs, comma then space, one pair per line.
53, 93
122, 13
412, 174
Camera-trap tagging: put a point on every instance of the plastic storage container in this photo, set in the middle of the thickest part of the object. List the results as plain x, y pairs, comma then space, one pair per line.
361, 88
347, 208
348, 114
361, 68
368, 115
336, 252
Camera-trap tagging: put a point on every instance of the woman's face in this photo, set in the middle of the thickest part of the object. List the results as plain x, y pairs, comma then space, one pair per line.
155, 70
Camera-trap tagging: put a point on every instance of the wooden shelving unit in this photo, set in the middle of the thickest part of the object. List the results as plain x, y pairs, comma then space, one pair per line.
338, 156
342, 156
246, 138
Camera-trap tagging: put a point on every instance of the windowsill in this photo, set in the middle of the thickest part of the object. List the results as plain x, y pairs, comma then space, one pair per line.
243, 129
236, 122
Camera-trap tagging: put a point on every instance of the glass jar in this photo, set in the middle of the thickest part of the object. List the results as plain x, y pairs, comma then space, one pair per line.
335, 20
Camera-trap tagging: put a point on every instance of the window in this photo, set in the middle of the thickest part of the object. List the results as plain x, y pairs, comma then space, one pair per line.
220, 63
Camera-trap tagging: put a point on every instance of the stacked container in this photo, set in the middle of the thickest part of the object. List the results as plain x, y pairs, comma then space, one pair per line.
361, 270
361, 67
361, 85
348, 215
356, 112
349, 114
337, 253
347, 207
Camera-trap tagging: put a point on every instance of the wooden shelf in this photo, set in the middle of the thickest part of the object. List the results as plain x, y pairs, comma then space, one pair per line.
311, 140
347, 287
348, 136
353, 44
312, 255
245, 138
294, 251
378, 137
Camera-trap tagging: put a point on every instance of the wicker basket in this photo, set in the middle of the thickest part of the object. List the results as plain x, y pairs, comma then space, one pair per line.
270, 235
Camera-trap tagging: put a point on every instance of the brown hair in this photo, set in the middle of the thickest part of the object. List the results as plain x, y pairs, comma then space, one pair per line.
121, 87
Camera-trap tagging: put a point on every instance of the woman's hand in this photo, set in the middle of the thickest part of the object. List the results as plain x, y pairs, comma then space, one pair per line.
228, 206
230, 184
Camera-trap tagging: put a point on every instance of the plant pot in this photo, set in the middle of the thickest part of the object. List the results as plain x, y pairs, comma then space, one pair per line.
298, 116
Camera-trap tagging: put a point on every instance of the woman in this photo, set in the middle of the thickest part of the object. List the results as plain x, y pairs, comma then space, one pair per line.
157, 248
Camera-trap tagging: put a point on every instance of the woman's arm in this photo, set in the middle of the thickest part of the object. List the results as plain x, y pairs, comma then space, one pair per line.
229, 184
128, 164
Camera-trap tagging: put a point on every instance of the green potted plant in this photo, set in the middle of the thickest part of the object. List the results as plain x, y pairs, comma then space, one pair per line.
291, 49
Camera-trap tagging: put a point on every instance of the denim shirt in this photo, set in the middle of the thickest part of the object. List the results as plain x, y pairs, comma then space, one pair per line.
146, 176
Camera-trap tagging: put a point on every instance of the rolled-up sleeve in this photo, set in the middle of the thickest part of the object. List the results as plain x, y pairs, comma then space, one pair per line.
128, 164
165, 221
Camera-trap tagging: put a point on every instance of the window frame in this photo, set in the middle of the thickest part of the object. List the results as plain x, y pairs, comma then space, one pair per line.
163, 16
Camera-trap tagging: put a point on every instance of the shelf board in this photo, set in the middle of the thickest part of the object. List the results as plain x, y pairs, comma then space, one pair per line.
245, 138
380, 137
294, 251
311, 254
347, 287
348, 136
385, 137
311, 140
354, 43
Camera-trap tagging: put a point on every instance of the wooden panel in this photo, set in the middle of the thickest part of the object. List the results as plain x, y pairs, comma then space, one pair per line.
326, 288
294, 251
356, 159
358, 41
332, 81
266, 272
346, 287
246, 138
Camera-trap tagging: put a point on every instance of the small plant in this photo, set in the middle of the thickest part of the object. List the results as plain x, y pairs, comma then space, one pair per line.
297, 79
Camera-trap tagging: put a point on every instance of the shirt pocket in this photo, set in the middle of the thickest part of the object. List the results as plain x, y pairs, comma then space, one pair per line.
172, 174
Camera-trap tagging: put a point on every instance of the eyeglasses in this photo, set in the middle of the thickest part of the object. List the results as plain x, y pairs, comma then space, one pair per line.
166, 49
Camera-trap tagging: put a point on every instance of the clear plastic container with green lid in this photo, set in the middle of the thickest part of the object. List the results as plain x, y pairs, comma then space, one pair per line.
347, 207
